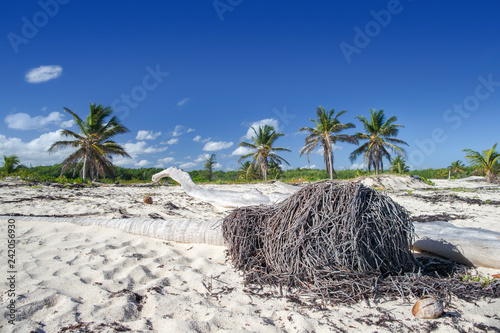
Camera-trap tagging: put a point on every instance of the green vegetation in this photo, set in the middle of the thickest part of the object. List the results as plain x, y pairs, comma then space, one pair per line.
264, 138
380, 136
457, 168
95, 149
484, 280
11, 164
398, 165
209, 167
486, 162
325, 132
92, 160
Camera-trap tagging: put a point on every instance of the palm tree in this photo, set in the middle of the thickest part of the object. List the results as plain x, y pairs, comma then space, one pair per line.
380, 135
275, 171
456, 167
264, 138
398, 165
11, 164
95, 149
486, 162
247, 171
325, 132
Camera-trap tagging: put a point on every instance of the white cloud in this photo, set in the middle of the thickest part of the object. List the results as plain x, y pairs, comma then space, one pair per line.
182, 102
197, 138
273, 122
217, 166
217, 145
202, 158
43, 74
187, 165
147, 135
24, 121
135, 149
142, 163
355, 166
124, 161
312, 166
45, 108
320, 150
67, 124
190, 130
178, 130
35, 151
173, 141
240, 151
166, 160
285, 167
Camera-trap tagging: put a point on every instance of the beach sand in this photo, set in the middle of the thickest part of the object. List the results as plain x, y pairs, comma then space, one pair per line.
73, 278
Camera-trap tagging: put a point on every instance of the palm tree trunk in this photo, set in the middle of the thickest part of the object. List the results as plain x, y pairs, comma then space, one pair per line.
84, 170
329, 157
489, 176
264, 168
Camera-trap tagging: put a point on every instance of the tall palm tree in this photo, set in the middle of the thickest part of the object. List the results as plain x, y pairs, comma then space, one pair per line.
487, 161
380, 135
456, 167
11, 164
95, 149
398, 165
264, 138
326, 129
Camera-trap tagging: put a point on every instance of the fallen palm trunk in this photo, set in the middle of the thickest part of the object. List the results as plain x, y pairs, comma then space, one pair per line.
469, 246
224, 198
183, 231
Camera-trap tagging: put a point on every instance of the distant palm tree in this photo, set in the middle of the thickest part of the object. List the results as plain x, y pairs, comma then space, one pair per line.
457, 167
486, 162
11, 164
247, 171
398, 165
264, 138
380, 135
325, 132
95, 149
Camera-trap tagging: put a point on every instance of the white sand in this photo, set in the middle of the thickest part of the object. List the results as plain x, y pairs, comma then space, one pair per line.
69, 274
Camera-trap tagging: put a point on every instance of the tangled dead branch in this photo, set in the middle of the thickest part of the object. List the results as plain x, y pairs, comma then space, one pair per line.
336, 242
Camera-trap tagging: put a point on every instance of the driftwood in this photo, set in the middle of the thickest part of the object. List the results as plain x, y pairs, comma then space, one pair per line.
469, 246
225, 198
183, 231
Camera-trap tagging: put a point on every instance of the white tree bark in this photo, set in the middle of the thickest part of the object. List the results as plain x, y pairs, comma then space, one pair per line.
470, 246
182, 231
223, 198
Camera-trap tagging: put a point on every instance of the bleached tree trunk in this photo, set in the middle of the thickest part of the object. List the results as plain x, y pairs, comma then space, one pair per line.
84, 171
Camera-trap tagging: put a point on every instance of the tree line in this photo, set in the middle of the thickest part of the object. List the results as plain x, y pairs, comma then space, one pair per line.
95, 149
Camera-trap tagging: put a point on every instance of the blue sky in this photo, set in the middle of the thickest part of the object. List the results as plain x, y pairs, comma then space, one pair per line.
189, 78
